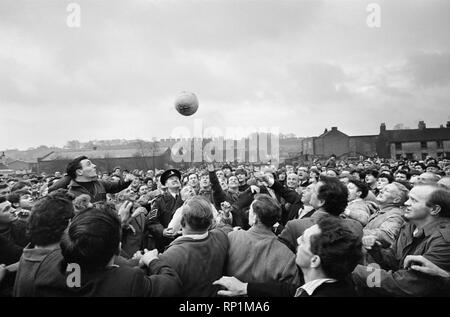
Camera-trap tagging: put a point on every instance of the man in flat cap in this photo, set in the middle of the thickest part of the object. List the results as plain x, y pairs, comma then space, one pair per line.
163, 209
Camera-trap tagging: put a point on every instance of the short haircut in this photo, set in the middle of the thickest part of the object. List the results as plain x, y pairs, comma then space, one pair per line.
20, 185
386, 175
49, 218
334, 193
197, 213
267, 209
372, 172
441, 198
402, 192
339, 249
72, 167
14, 197
408, 176
92, 238
362, 187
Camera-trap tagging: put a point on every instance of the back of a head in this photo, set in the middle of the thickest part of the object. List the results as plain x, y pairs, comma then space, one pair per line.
197, 214
20, 185
402, 193
440, 197
339, 249
267, 209
334, 193
92, 239
48, 220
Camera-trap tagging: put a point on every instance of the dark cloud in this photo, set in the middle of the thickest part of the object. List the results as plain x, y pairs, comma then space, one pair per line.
298, 65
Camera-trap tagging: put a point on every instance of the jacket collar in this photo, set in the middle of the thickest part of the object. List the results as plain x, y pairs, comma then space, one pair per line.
36, 254
261, 230
319, 213
429, 228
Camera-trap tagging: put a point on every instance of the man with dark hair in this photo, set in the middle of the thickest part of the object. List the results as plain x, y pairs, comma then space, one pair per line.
426, 233
357, 208
21, 185
4, 189
327, 253
329, 197
91, 243
22, 201
256, 255
402, 176
199, 255
49, 218
241, 175
82, 179
371, 180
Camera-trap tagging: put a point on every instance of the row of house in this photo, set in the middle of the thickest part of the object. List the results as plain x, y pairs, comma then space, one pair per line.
394, 144
258, 148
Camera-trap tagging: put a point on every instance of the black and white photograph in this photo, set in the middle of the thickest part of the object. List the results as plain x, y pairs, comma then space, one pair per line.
241, 150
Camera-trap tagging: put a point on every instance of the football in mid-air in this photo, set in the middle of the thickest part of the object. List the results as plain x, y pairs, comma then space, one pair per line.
186, 103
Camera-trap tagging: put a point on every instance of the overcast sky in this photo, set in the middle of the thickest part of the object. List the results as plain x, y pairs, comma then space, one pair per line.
301, 66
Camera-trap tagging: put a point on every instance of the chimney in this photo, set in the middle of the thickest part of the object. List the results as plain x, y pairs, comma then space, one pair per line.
383, 128
422, 125
448, 124
333, 128
326, 130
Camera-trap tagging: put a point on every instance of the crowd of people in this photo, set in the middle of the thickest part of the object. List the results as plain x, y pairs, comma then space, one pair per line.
376, 227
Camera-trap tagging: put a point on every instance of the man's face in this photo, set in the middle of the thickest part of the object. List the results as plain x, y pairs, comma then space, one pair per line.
233, 181
220, 174
187, 192
306, 194
88, 169
282, 177
304, 255
302, 173
419, 168
353, 192
400, 177
6, 212
26, 201
241, 178
5, 191
414, 180
292, 181
432, 169
173, 182
193, 180
416, 208
388, 194
315, 202
143, 190
381, 182
370, 179
289, 169
204, 181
